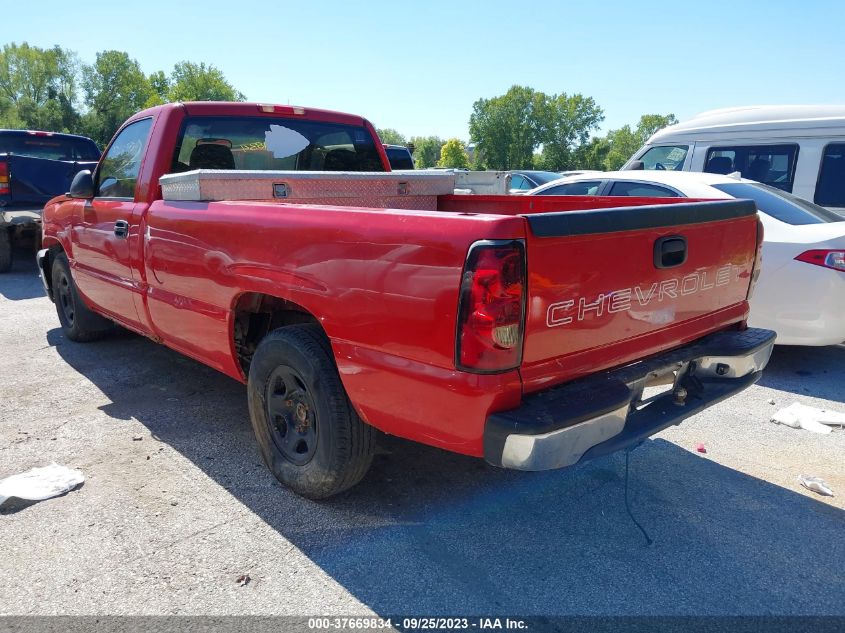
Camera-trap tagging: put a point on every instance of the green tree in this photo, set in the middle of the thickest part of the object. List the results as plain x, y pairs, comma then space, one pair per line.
625, 141
9, 118
566, 125
592, 154
115, 88
507, 129
391, 137
38, 87
453, 154
199, 82
426, 150
651, 123
160, 89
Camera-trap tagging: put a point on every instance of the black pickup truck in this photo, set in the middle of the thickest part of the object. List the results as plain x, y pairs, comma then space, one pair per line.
35, 167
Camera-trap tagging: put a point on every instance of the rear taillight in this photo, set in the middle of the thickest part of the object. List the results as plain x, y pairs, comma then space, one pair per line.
827, 258
491, 310
758, 260
4, 178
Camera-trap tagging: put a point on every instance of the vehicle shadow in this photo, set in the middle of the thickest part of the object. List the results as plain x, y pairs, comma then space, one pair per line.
799, 370
429, 532
17, 284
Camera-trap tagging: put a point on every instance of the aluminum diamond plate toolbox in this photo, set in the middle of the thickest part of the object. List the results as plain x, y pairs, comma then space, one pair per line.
405, 190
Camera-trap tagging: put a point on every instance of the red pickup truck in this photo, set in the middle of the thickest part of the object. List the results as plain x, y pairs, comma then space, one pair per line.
526, 331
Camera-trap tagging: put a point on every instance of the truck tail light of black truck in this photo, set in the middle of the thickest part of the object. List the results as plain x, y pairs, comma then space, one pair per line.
4, 178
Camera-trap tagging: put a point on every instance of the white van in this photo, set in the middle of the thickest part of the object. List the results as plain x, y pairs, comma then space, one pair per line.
799, 149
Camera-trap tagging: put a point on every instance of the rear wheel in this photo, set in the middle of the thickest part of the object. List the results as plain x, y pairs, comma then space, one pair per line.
308, 433
5, 250
79, 323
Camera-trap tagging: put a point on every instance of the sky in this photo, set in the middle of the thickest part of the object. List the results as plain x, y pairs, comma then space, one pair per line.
419, 67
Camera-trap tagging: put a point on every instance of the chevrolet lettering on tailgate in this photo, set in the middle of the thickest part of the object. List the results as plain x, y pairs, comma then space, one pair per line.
580, 308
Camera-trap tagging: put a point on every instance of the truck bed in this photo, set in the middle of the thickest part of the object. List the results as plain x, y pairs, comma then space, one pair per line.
384, 284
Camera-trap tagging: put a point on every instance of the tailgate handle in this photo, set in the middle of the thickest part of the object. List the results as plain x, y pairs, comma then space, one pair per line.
670, 251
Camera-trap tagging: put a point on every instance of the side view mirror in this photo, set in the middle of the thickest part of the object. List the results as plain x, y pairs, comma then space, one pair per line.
636, 164
82, 185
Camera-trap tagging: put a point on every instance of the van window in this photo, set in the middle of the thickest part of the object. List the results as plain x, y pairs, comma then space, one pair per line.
668, 157
773, 165
830, 189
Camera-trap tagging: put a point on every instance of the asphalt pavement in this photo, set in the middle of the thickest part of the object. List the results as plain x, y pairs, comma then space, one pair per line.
178, 510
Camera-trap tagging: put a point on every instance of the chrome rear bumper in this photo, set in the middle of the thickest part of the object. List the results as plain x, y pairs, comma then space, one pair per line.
606, 412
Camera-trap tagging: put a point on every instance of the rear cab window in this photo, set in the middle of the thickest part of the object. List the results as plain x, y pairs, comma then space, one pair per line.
779, 205
772, 165
665, 157
49, 146
399, 157
274, 144
830, 188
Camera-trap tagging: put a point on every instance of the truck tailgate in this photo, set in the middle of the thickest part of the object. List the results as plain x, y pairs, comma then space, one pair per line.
607, 287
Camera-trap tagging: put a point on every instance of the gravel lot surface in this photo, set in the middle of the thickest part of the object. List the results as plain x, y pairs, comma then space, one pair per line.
177, 504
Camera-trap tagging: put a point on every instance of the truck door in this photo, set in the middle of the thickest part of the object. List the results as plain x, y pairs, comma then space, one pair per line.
107, 230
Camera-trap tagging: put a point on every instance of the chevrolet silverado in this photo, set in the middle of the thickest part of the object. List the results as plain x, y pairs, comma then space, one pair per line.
532, 332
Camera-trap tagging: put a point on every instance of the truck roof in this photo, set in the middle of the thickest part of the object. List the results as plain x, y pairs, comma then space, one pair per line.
232, 108
43, 133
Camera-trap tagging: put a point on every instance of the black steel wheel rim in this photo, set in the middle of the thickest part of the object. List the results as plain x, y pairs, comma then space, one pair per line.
291, 415
66, 299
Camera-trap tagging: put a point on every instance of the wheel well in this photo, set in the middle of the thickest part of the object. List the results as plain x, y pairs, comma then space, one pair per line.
256, 315
52, 252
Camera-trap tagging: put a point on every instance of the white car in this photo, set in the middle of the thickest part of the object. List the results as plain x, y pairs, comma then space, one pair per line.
801, 290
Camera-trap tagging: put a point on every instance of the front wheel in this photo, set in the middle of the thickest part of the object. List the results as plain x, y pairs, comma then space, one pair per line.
79, 323
308, 433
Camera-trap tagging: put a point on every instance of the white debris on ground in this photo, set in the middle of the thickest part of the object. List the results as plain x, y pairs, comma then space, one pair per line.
816, 485
38, 484
801, 416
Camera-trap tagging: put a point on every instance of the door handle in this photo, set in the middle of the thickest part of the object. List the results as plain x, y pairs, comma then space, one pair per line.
121, 229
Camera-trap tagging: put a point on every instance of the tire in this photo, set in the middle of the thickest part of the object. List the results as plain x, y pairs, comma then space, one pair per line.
308, 433
5, 250
79, 323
